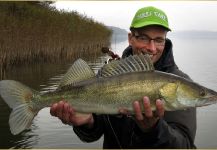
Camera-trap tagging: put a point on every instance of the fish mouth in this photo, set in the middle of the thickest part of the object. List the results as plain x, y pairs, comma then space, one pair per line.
208, 101
212, 99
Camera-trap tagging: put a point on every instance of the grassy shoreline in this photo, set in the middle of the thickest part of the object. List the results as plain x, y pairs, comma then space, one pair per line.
33, 32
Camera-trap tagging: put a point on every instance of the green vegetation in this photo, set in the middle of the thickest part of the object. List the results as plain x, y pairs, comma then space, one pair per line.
32, 32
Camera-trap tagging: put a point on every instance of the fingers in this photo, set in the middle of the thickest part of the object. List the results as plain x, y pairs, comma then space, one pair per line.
53, 109
124, 111
138, 112
62, 110
148, 113
67, 114
146, 118
147, 107
160, 108
59, 110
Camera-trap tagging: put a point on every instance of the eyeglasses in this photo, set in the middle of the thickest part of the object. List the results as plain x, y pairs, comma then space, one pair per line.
146, 40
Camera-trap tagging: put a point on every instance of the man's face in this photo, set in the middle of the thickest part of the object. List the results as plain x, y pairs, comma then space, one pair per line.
149, 40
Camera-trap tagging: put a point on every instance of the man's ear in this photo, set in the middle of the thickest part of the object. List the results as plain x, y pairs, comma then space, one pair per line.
130, 36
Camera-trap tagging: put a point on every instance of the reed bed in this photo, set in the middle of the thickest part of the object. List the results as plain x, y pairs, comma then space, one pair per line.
31, 32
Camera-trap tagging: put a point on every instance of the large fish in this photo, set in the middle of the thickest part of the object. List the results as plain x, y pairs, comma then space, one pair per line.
118, 84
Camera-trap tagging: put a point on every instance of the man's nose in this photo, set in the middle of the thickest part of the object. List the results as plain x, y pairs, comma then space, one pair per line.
151, 47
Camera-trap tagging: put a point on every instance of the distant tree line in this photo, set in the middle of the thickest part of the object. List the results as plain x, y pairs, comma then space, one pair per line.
36, 32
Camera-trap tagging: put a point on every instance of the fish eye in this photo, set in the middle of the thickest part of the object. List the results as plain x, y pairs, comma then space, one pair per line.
202, 92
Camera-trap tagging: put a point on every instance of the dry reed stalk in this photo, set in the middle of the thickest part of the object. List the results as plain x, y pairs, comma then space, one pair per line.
32, 34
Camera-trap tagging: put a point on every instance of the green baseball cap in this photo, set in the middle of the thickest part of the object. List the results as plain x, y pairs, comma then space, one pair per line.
150, 16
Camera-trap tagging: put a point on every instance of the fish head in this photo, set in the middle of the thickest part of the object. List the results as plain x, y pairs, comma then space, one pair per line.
191, 94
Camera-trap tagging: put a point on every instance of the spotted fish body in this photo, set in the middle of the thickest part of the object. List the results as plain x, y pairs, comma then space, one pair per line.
118, 85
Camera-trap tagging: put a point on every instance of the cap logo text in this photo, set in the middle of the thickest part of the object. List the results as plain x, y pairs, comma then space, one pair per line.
150, 13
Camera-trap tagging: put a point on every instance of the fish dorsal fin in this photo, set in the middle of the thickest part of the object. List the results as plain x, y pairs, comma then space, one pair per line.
79, 71
133, 63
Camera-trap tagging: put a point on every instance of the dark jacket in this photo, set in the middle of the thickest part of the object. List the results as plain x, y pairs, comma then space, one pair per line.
175, 130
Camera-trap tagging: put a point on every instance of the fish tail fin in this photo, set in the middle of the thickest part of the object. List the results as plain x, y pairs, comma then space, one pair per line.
19, 97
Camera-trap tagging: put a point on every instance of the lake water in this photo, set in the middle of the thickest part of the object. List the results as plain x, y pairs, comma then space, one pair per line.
195, 56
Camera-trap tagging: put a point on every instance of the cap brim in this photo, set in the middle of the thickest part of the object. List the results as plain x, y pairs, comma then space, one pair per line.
149, 23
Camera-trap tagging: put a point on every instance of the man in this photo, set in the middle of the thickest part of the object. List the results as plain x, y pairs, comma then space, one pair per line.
159, 129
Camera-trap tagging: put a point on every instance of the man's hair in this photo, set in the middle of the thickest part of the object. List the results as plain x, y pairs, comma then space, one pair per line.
138, 30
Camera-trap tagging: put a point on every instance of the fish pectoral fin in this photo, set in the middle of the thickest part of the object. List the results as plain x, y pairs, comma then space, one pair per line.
79, 71
169, 92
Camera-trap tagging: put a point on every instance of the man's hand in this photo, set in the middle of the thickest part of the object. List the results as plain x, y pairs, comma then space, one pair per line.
148, 119
67, 115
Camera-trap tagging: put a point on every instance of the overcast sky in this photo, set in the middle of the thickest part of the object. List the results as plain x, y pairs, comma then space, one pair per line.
182, 15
